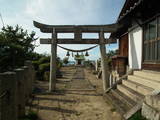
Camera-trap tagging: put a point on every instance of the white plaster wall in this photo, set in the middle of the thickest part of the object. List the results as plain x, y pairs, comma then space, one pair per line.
135, 48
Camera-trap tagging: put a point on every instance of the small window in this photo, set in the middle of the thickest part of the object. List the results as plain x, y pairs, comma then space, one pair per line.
151, 41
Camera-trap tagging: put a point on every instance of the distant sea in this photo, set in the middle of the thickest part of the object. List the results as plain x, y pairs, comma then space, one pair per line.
71, 63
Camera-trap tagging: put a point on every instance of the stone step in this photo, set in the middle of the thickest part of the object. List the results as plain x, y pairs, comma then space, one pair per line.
132, 111
137, 97
125, 99
144, 90
149, 83
116, 103
152, 75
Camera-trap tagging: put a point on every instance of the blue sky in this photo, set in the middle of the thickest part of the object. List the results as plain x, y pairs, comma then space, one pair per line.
76, 12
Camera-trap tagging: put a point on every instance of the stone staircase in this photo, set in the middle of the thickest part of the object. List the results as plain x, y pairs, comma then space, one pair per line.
128, 96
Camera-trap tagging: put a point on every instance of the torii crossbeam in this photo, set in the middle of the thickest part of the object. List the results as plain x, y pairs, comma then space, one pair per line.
77, 30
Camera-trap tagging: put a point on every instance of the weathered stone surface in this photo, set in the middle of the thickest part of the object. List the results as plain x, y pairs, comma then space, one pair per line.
26, 82
20, 92
153, 99
151, 106
31, 78
15, 89
150, 113
8, 104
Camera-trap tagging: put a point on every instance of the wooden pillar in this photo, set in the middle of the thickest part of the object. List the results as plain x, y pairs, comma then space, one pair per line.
96, 67
104, 65
53, 65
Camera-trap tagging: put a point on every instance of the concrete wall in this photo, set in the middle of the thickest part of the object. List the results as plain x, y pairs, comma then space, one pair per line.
135, 48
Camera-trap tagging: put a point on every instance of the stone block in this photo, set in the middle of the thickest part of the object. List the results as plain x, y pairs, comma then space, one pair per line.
8, 103
150, 113
26, 82
153, 99
20, 92
31, 75
151, 106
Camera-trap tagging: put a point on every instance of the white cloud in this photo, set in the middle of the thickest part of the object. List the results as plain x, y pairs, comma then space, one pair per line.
63, 12
59, 12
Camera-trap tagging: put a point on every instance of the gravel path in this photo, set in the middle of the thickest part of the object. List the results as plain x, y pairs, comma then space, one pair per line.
78, 97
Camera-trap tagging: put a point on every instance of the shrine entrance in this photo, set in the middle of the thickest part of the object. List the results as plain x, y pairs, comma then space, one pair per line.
77, 30
79, 62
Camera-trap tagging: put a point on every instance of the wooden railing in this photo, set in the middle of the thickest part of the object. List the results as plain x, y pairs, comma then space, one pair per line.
115, 80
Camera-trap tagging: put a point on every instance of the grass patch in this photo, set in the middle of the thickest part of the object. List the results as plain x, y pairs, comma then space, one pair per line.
137, 116
113, 110
30, 116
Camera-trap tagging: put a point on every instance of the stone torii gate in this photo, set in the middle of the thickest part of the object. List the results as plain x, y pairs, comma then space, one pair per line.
77, 30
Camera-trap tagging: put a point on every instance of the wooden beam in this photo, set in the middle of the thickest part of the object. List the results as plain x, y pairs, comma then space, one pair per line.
78, 34
83, 29
73, 41
71, 28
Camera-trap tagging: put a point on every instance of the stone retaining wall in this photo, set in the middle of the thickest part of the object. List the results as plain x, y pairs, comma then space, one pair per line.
15, 90
151, 106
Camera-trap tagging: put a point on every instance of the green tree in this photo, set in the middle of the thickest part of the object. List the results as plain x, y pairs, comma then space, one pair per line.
65, 60
16, 46
42, 66
111, 53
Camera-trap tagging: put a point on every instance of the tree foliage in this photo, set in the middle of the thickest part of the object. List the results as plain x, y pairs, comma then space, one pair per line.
65, 60
16, 45
111, 53
42, 66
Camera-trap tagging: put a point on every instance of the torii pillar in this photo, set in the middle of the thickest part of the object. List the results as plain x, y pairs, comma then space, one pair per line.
104, 64
53, 64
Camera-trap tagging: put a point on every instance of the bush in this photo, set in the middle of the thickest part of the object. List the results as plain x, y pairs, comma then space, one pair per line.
46, 76
65, 60
137, 116
45, 59
59, 64
36, 65
30, 116
44, 67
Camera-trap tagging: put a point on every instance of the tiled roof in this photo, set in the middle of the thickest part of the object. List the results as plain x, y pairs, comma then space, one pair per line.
128, 7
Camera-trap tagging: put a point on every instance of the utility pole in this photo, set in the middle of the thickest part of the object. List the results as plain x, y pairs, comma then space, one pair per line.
2, 19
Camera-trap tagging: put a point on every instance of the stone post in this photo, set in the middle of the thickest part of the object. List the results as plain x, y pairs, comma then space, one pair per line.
20, 92
8, 103
31, 75
104, 65
26, 82
53, 66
